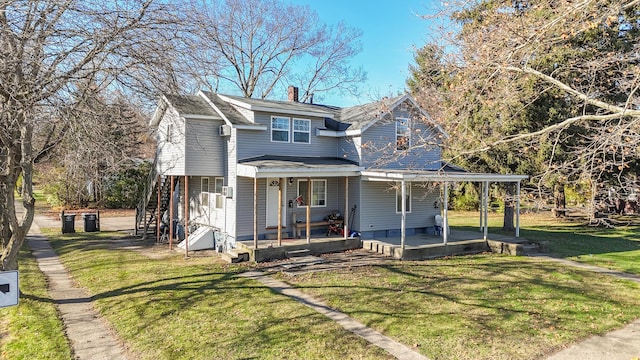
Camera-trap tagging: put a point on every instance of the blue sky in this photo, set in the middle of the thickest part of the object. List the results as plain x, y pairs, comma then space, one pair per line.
391, 30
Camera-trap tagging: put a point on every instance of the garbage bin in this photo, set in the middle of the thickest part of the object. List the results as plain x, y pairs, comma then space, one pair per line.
90, 222
68, 223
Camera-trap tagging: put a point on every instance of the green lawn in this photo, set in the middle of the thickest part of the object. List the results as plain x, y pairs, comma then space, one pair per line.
615, 248
32, 330
479, 307
473, 307
198, 308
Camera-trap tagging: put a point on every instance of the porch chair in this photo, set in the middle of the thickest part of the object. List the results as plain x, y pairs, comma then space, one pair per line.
438, 225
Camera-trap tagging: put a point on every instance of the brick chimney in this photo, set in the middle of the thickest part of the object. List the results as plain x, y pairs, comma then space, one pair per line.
293, 93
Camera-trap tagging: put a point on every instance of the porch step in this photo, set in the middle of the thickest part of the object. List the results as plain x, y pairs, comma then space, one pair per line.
298, 253
234, 256
302, 261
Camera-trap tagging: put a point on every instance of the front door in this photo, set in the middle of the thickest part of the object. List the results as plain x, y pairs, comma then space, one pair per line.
272, 202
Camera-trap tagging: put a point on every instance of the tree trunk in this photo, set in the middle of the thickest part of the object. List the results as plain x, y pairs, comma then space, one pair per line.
559, 200
509, 213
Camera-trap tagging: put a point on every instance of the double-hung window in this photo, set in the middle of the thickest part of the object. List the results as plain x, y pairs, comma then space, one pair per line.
318, 197
284, 129
301, 131
280, 129
403, 134
407, 196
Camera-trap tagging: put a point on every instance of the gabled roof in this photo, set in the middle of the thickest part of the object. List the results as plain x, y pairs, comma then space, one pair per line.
185, 105
226, 111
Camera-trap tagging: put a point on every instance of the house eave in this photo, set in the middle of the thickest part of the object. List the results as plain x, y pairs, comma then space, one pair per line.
439, 176
276, 109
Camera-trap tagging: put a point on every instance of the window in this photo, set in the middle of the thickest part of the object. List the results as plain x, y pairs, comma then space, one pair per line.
399, 197
218, 183
169, 132
279, 129
301, 131
204, 191
318, 196
403, 134
283, 128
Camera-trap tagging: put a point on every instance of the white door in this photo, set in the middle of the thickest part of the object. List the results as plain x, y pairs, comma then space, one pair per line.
272, 203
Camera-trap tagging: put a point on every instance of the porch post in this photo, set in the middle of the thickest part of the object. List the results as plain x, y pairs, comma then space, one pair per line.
445, 222
159, 217
481, 206
255, 212
280, 211
486, 209
171, 213
345, 217
518, 209
403, 215
186, 216
308, 211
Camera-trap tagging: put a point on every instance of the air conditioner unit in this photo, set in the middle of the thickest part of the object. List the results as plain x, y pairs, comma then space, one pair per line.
224, 130
227, 191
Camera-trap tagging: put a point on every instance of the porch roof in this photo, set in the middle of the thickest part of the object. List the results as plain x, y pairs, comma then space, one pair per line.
437, 175
268, 166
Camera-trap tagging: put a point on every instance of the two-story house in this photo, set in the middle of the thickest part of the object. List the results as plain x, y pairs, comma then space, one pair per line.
254, 169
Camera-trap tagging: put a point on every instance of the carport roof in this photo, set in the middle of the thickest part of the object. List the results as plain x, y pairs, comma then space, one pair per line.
452, 175
268, 166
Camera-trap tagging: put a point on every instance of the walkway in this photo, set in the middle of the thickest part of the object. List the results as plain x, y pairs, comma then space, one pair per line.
89, 335
393, 347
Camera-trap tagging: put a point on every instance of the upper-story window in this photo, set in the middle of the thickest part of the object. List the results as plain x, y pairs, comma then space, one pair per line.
280, 129
403, 134
301, 131
283, 129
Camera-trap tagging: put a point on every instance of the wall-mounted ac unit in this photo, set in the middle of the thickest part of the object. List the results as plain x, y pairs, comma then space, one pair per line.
227, 191
224, 130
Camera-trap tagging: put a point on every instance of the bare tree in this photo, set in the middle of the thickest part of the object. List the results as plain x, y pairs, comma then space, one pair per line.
258, 45
48, 51
555, 81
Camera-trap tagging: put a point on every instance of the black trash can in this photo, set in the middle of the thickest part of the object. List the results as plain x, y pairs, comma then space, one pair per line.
90, 222
68, 223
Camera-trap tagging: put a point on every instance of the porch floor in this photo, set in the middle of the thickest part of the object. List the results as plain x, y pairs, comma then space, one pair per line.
417, 247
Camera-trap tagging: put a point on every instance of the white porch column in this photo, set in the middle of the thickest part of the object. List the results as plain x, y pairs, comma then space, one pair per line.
518, 209
280, 180
345, 216
186, 216
308, 207
481, 206
403, 215
445, 220
486, 209
255, 212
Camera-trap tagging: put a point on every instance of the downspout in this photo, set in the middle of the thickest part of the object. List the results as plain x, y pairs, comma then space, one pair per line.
445, 222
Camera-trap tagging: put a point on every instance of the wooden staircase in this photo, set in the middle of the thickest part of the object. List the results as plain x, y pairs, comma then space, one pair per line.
147, 215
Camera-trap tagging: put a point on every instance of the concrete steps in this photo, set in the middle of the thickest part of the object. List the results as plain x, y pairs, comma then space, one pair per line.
234, 256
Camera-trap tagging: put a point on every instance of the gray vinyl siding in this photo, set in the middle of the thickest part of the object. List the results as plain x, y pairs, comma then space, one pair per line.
244, 199
170, 152
204, 148
349, 148
258, 142
378, 210
379, 146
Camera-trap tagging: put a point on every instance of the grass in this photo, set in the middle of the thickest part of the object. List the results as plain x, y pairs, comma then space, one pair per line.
479, 307
614, 248
173, 308
32, 330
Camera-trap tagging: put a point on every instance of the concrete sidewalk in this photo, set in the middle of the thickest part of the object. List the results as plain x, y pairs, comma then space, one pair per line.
89, 335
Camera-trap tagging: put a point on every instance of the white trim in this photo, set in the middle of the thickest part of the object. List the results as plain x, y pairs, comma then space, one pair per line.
294, 131
200, 117
406, 134
271, 129
250, 127
214, 107
254, 172
313, 181
439, 176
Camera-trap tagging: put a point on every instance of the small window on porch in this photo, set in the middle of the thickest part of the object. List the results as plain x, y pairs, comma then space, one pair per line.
318, 196
204, 191
399, 198
218, 183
